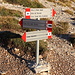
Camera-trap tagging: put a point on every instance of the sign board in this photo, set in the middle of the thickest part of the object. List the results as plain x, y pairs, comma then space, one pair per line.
33, 13
36, 24
36, 35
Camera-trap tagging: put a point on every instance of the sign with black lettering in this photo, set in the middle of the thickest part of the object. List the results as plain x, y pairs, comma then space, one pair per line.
36, 35
33, 13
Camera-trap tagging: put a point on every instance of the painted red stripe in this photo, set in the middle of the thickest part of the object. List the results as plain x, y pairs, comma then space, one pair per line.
27, 17
27, 9
49, 36
24, 37
49, 22
50, 29
21, 22
53, 12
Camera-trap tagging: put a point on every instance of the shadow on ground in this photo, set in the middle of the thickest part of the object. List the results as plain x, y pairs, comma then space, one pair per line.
5, 37
68, 37
73, 23
8, 34
72, 18
64, 36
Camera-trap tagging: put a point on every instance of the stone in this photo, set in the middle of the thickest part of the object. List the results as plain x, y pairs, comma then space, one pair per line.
44, 73
42, 68
40, 56
3, 73
16, 50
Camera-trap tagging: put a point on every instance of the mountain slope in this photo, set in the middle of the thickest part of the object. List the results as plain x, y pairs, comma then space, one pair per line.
60, 53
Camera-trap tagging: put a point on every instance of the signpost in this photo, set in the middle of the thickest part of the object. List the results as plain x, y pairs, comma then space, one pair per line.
36, 24
33, 13
44, 26
36, 35
45, 33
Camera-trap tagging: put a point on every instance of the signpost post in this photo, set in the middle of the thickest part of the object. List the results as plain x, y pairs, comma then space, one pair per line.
36, 35
44, 26
37, 52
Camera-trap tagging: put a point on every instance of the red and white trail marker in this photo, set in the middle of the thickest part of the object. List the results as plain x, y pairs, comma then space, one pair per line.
36, 35
34, 13
27, 13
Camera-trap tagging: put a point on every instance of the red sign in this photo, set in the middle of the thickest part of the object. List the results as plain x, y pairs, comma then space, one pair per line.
24, 37
49, 25
21, 22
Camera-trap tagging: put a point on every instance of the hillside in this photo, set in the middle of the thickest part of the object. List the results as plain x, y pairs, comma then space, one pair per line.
59, 51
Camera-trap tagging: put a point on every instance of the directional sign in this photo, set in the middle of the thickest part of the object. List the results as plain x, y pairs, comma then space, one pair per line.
36, 35
36, 24
33, 13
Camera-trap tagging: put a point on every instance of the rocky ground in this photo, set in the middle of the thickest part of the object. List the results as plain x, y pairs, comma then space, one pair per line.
61, 57
61, 54
12, 63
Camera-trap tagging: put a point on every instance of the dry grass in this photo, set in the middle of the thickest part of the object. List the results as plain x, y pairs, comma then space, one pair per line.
51, 0
7, 22
73, 0
62, 2
60, 28
69, 12
73, 8
8, 12
26, 3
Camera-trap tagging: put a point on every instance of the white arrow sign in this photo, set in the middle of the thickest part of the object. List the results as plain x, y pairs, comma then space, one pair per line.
36, 35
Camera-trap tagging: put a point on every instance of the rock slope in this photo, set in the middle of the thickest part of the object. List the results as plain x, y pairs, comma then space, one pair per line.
61, 54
